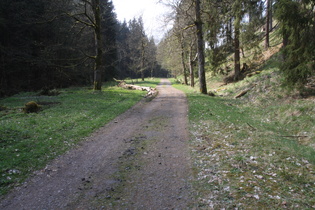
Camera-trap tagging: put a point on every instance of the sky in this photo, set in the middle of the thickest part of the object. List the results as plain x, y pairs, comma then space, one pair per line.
151, 11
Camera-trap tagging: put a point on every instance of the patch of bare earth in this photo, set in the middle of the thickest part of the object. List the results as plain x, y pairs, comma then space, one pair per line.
140, 160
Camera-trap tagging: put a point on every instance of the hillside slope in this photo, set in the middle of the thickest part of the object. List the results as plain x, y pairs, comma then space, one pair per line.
255, 150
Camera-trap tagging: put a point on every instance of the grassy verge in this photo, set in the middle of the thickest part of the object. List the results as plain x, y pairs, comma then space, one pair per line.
29, 141
254, 152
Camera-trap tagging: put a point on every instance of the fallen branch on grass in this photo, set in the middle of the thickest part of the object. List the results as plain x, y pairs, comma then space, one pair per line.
245, 91
242, 93
251, 126
294, 136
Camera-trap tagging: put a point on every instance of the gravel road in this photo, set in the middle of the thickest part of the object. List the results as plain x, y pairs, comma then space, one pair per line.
140, 160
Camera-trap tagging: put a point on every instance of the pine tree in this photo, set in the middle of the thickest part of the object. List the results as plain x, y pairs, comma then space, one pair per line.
297, 28
109, 33
123, 50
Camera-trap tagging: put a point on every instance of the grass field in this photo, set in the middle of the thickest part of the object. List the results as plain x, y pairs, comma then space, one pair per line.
254, 152
29, 141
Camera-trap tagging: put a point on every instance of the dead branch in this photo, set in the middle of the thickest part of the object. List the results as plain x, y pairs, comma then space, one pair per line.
81, 21
242, 93
245, 91
89, 56
190, 26
251, 127
294, 136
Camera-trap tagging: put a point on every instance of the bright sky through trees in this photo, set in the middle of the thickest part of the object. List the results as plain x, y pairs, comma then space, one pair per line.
152, 12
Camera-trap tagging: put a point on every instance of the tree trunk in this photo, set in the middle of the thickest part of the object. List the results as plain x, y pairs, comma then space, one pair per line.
142, 64
229, 33
267, 25
237, 62
142, 55
270, 15
314, 22
3, 81
237, 25
200, 48
98, 45
183, 59
191, 70
97, 80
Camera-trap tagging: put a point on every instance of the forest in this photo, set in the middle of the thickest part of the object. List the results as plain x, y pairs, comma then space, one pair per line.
58, 44
47, 45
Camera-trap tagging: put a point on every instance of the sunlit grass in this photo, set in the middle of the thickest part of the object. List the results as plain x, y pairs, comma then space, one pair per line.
28, 141
257, 151
252, 152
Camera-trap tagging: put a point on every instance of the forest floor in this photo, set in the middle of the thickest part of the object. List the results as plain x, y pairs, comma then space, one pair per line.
140, 160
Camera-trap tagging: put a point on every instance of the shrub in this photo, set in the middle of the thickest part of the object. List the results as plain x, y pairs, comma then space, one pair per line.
31, 107
2, 108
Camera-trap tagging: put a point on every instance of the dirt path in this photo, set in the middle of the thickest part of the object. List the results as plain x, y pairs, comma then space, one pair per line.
138, 161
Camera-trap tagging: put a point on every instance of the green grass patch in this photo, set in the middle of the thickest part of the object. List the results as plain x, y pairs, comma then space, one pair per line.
29, 141
252, 152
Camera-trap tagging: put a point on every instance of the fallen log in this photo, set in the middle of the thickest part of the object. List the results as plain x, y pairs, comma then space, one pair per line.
245, 91
294, 136
242, 93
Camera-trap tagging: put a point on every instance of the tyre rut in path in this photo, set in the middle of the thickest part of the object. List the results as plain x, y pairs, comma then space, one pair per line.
140, 160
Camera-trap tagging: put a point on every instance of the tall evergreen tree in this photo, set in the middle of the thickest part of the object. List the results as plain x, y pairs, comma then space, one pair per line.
138, 48
32, 45
123, 51
297, 28
109, 32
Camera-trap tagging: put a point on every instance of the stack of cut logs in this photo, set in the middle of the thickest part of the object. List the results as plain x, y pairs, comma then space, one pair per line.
151, 91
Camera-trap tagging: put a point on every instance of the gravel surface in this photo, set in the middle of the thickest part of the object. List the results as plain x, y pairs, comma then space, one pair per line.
140, 160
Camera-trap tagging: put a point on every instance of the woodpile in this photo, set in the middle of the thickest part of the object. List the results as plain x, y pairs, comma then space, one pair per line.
151, 91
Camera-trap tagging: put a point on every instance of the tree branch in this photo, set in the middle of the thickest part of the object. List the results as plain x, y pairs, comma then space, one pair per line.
89, 56
81, 21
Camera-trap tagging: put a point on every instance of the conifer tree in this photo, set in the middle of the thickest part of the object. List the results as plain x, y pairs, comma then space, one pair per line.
297, 28
109, 33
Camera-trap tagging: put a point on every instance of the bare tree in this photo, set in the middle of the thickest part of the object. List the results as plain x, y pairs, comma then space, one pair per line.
88, 13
